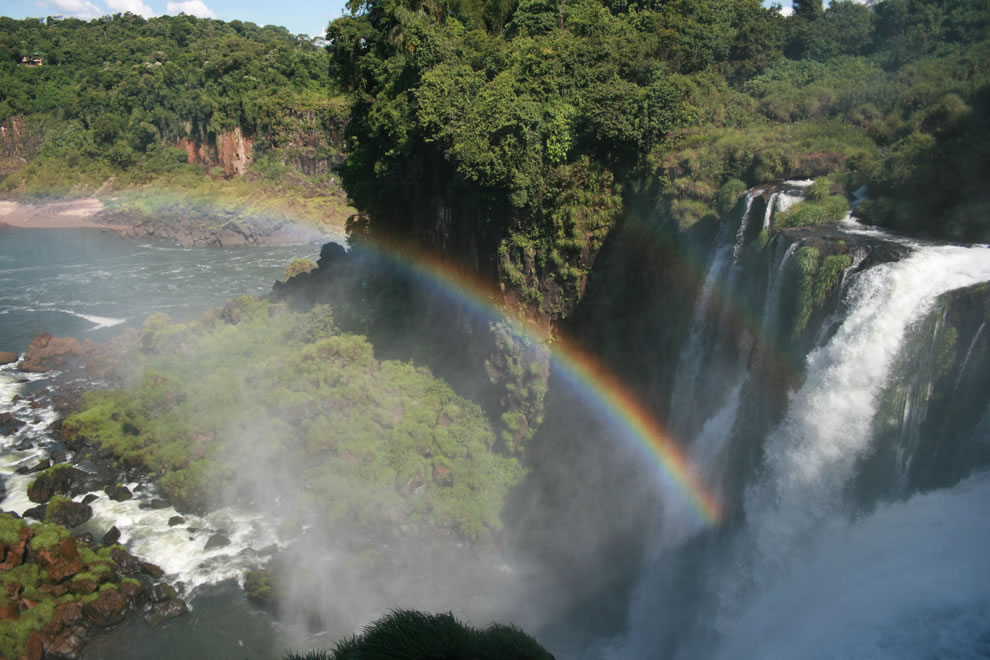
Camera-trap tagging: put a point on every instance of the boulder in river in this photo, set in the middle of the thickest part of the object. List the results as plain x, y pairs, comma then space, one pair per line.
112, 536
218, 540
58, 480
161, 612
67, 513
6, 357
109, 608
118, 493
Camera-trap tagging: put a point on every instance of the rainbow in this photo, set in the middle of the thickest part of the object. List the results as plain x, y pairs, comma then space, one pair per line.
598, 384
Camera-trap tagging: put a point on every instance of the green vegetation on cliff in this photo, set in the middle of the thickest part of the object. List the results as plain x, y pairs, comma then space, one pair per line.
518, 135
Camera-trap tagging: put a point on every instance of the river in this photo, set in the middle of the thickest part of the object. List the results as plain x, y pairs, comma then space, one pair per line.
91, 285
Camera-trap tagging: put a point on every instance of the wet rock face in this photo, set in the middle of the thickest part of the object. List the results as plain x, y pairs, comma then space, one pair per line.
161, 612
109, 608
62, 560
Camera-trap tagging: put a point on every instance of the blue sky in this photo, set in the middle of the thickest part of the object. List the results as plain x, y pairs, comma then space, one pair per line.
300, 16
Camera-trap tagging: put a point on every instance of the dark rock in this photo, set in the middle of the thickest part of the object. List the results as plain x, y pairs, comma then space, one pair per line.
37, 512
158, 503
218, 540
109, 608
119, 493
9, 424
58, 457
6, 357
153, 570
162, 592
176, 520
40, 466
112, 536
90, 498
55, 481
127, 564
24, 445
62, 560
161, 612
67, 644
69, 514
85, 539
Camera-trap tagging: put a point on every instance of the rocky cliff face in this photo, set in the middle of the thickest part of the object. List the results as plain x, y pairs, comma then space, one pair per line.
231, 150
18, 144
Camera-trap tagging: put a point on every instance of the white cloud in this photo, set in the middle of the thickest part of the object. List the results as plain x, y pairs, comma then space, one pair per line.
134, 6
191, 7
76, 8
787, 11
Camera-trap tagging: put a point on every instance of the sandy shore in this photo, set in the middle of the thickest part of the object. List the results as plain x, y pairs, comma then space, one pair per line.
53, 215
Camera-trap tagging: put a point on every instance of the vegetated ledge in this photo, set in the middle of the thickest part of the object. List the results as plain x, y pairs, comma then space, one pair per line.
57, 590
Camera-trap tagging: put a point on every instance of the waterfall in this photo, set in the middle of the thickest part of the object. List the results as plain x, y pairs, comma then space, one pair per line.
794, 509
809, 570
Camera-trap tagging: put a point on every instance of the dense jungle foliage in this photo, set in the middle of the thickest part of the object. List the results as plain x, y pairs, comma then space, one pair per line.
116, 96
528, 129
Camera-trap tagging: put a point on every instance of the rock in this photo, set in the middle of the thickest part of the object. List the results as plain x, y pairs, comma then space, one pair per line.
85, 539
68, 514
162, 592
9, 424
83, 587
218, 540
112, 536
49, 352
158, 503
109, 608
62, 560
127, 564
15, 553
37, 512
66, 644
58, 457
161, 612
176, 520
59, 480
24, 445
118, 493
6, 357
34, 649
90, 498
153, 570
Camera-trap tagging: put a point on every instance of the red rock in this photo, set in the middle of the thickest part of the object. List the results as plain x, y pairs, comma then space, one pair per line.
15, 553
6, 357
47, 351
34, 649
10, 611
66, 644
62, 561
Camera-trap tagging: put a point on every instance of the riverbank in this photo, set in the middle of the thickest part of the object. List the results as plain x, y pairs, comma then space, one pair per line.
67, 214
181, 222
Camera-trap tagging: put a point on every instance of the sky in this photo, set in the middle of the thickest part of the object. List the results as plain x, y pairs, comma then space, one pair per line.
300, 17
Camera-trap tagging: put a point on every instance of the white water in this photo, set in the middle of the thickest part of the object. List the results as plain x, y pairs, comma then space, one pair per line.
909, 581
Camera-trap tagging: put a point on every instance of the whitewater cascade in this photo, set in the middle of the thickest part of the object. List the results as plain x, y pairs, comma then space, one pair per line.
810, 568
